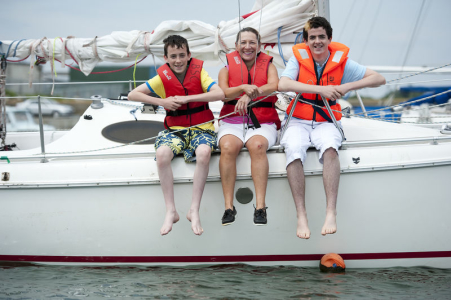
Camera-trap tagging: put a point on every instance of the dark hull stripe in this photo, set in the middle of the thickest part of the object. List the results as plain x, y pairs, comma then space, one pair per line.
218, 259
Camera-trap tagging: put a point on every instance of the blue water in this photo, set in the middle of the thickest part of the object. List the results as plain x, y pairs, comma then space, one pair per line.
220, 282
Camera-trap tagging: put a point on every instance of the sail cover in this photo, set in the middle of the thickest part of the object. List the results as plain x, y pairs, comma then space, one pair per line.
279, 23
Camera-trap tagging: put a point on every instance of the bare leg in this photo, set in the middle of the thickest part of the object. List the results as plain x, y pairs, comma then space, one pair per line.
257, 146
296, 179
164, 157
331, 179
230, 148
203, 154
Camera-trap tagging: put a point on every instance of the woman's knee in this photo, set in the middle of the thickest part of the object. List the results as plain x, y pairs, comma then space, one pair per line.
230, 147
257, 146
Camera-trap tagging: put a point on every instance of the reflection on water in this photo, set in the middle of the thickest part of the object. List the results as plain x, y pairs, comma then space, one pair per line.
220, 282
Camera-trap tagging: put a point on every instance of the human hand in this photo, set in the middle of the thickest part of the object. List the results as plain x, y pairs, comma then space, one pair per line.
252, 91
182, 99
330, 92
342, 89
241, 105
171, 103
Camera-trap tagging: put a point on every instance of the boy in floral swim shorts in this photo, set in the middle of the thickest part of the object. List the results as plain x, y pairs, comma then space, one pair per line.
185, 89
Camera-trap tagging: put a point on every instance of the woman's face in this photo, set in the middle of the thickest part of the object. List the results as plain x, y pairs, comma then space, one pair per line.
248, 46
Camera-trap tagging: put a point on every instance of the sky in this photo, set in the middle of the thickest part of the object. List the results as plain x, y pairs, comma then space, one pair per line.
378, 32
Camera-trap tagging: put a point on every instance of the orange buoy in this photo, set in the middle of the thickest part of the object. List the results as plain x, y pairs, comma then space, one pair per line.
332, 262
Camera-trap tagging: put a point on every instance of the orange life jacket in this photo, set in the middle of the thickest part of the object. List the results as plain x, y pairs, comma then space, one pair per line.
264, 111
332, 75
192, 113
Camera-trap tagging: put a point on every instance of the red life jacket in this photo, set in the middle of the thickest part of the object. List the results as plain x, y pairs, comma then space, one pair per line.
192, 113
332, 75
264, 111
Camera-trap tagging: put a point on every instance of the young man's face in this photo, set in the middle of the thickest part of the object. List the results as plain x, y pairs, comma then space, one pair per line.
177, 59
318, 43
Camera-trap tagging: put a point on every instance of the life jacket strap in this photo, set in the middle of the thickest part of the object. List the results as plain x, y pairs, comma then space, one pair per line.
318, 110
251, 111
189, 111
319, 103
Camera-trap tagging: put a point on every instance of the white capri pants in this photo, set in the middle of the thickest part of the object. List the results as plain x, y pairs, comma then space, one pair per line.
269, 131
300, 134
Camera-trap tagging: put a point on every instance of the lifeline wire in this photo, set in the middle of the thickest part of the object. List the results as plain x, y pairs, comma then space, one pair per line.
422, 72
154, 137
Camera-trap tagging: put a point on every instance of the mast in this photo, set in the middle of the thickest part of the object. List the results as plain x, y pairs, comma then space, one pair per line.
3, 101
323, 9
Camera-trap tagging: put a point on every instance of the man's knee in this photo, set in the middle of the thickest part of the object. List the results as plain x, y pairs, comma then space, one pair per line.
330, 152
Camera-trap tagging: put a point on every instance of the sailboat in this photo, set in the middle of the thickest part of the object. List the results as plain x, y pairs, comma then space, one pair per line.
92, 196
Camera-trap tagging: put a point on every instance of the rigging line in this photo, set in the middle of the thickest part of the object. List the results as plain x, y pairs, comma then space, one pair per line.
375, 110
239, 34
371, 30
412, 36
407, 103
422, 72
424, 81
433, 106
258, 40
78, 82
356, 26
347, 19
148, 139
104, 72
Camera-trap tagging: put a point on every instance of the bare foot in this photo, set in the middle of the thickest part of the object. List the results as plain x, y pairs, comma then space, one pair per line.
171, 217
193, 217
330, 225
303, 231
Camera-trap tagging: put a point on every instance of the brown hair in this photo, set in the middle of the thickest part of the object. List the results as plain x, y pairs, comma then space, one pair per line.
175, 41
317, 22
248, 29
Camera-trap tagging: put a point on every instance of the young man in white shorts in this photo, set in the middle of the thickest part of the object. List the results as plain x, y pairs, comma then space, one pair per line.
319, 68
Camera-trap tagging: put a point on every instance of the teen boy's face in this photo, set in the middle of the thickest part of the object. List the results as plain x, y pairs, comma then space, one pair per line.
318, 43
177, 59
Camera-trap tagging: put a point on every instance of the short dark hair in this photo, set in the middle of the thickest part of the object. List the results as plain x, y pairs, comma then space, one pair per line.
317, 22
248, 29
175, 41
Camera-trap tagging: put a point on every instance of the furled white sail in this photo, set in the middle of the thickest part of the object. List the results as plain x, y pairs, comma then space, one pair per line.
207, 42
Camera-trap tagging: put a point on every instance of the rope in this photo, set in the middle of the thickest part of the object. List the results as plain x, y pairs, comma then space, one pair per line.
134, 70
422, 72
79, 82
406, 103
409, 46
280, 46
424, 81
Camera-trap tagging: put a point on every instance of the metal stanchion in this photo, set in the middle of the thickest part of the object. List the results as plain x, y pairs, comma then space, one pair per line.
326, 104
282, 132
41, 131
361, 103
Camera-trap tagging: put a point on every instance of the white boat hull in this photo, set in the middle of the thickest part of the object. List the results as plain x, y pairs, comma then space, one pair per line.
393, 208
